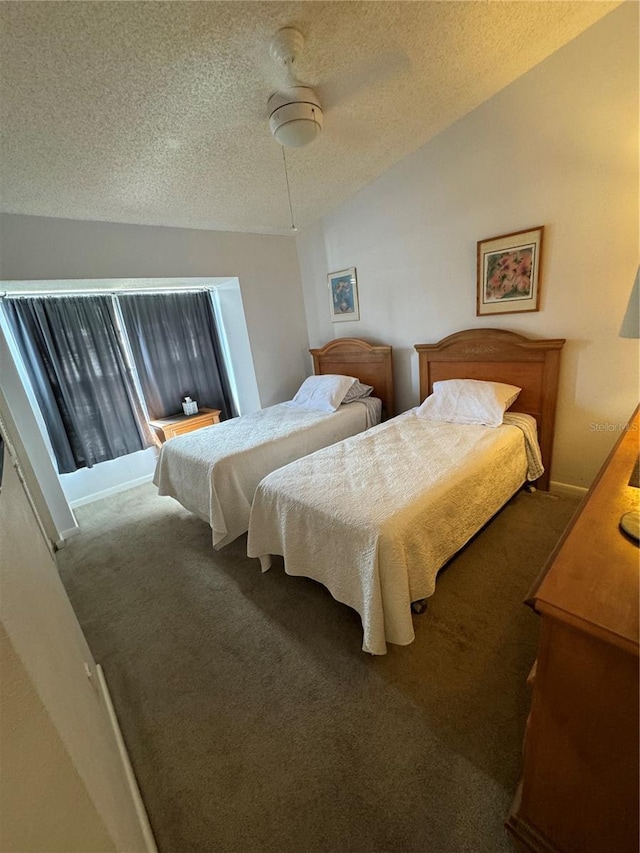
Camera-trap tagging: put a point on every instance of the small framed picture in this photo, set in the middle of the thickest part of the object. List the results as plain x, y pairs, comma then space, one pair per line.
343, 295
509, 273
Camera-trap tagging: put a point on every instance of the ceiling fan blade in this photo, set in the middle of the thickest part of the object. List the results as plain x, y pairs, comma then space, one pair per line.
374, 73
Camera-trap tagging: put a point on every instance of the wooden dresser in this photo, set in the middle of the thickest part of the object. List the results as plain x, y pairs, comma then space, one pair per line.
166, 428
579, 788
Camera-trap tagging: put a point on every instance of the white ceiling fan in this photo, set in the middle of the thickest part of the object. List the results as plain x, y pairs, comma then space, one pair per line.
295, 112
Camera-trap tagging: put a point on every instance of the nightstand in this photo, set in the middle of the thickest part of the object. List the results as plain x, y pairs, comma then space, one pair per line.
166, 428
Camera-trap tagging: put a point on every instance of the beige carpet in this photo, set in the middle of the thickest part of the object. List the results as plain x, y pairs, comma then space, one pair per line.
255, 722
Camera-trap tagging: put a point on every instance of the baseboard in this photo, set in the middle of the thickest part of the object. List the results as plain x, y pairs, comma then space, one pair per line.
66, 534
105, 493
141, 812
567, 489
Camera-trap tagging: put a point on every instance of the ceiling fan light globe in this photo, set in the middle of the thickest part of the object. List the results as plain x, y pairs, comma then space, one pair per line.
295, 116
297, 133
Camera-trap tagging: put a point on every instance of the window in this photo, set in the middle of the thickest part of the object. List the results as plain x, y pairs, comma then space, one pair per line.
75, 360
176, 350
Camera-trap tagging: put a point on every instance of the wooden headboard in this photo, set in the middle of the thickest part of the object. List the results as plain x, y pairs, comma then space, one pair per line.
500, 356
370, 363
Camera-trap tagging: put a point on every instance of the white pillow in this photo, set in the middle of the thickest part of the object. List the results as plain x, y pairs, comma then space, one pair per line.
357, 391
323, 393
468, 401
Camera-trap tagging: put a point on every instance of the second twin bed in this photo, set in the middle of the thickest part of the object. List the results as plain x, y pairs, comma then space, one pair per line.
375, 517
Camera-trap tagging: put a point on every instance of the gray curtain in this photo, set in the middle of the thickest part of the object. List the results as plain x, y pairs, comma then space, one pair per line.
74, 358
176, 351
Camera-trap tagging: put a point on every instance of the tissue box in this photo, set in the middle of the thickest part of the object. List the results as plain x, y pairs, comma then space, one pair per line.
190, 408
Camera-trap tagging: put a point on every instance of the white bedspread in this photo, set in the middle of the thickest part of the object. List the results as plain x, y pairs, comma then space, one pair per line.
213, 472
375, 517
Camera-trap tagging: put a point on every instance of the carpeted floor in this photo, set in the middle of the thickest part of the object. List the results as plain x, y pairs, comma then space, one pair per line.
255, 722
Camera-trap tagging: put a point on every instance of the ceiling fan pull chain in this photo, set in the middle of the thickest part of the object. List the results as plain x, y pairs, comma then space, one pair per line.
286, 176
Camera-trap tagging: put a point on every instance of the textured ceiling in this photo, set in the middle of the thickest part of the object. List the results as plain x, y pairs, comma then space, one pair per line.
155, 112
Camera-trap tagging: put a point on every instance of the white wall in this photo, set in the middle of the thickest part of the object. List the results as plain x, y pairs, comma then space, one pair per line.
63, 788
559, 148
38, 776
108, 478
234, 339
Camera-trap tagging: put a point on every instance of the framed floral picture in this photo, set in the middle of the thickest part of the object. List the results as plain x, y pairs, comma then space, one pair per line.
509, 272
343, 295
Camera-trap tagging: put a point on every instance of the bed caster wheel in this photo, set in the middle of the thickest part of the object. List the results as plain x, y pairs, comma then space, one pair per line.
419, 606
529, 488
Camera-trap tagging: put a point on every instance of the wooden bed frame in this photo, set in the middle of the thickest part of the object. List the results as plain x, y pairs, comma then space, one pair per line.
372, 364
500, 356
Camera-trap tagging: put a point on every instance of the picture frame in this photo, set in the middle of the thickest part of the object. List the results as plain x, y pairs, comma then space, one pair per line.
343, 295
508, 272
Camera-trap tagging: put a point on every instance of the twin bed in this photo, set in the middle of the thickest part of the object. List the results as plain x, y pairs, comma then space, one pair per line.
375, 516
